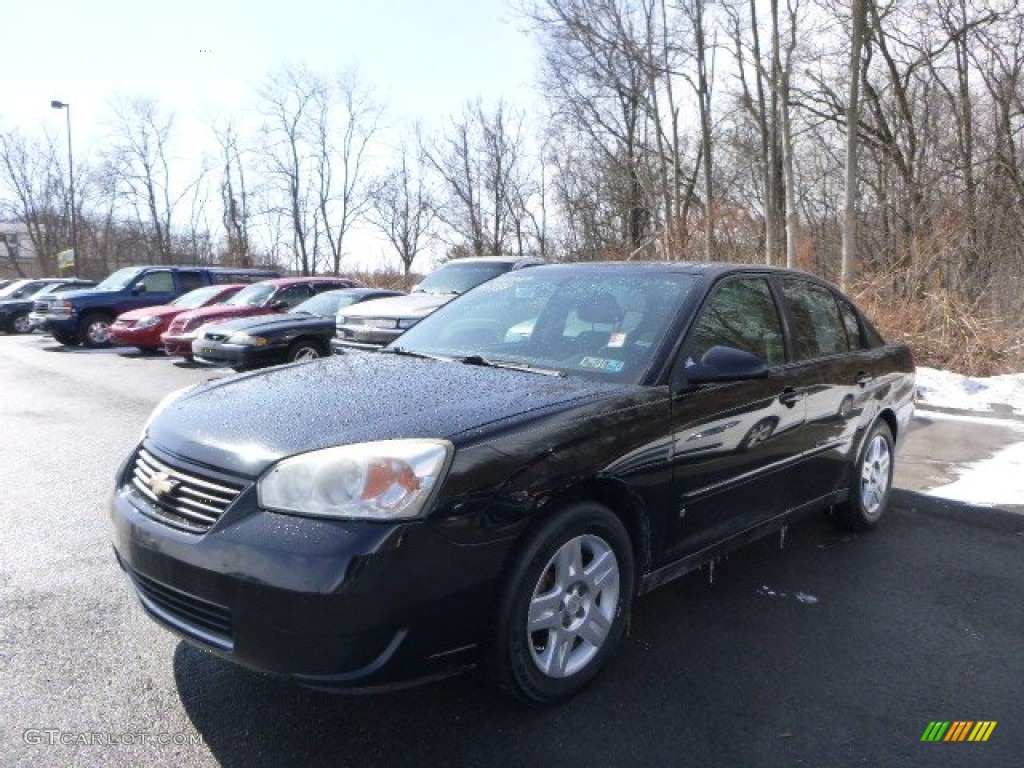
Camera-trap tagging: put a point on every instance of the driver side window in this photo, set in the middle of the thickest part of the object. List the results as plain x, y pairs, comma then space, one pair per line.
157, 282
741, 314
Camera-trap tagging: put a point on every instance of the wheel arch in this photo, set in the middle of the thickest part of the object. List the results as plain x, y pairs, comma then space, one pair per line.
611, 493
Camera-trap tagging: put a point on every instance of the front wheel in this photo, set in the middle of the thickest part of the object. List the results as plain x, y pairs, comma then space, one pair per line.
871, 483
94, 330
301, 351
563, 606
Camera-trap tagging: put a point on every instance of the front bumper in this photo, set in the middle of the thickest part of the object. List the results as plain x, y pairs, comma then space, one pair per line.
128, 336
235, 355
62, 325
367, 336
178, 346
36, 320
329, 604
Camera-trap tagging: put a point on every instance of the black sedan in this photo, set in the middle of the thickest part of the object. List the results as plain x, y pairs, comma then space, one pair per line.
497, 485
302, 333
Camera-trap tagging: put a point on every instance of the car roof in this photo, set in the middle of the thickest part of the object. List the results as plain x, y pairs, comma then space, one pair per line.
709, 268
493, 260
361, 291
283, 281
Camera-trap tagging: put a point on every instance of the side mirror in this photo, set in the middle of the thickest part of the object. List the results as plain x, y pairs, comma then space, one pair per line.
279, 305
138, 288
720, 364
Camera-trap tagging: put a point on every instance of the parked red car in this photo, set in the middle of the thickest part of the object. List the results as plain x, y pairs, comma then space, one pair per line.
142, 327
261, 298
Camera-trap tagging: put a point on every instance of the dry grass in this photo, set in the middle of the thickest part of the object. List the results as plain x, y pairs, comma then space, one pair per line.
945, 331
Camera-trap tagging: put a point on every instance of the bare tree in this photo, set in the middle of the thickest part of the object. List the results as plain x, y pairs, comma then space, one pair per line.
36, 195
402, 208
234, 196
848, 268
480, 161
141, 155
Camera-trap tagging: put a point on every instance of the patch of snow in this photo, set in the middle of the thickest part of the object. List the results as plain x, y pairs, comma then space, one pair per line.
945, 389
998, 480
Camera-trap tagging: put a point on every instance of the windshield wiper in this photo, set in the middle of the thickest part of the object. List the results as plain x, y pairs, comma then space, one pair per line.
509, 365
409, 353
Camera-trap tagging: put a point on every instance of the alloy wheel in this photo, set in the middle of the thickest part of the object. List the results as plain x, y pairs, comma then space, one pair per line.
875, 476
573, 606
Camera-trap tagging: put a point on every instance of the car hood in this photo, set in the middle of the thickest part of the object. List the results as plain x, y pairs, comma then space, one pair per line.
276, 322
244, 424
222, 311
161, 311
412, 305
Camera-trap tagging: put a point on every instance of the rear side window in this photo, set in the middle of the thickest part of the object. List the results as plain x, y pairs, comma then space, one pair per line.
740, 314
852, 324
190, 280
293, 295
818, 330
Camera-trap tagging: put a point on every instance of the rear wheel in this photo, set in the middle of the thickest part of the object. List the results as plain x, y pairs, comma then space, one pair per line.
563, 606
871, 483
303, 350
94, 330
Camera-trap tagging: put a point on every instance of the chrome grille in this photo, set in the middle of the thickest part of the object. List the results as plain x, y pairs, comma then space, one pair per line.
179, 498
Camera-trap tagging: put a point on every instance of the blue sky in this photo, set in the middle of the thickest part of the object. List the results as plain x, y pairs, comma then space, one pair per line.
200, 58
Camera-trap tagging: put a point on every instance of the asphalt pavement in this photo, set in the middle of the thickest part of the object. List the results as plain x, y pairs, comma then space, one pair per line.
825, 649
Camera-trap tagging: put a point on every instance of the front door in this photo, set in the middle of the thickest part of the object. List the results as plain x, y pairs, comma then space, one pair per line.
734, 443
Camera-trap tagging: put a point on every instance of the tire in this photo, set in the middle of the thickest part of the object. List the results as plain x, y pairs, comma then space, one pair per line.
20, 324
572, 580
67, 341
303, 350
871, 483
94, 330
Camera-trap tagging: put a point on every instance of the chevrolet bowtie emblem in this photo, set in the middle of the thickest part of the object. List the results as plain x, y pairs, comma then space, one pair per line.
162, 484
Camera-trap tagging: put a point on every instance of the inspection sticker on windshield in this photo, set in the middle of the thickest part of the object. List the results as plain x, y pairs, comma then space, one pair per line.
617, 340
601, 364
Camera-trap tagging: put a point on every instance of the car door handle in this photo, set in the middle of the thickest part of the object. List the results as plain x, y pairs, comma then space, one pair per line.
864, 378
789, 397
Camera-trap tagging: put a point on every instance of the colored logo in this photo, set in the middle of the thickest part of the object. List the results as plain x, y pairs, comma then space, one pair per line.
958, 730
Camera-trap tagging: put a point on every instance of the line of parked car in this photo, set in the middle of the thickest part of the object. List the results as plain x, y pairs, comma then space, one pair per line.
242, 318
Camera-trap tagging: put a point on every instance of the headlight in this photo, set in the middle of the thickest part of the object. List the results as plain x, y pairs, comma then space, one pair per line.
147, 322
407, 322
385, 480
247, 340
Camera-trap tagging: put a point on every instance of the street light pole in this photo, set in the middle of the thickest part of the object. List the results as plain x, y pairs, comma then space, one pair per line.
71, 173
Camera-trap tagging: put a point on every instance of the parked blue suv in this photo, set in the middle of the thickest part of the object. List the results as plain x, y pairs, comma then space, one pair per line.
84, 317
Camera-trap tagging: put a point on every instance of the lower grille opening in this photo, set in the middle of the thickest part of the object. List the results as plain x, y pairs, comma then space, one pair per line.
200, 619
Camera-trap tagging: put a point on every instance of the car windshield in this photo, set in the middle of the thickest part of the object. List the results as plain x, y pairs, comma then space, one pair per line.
21, 289
254, 295
598, 325
325, 304
459, 278
198, 297
120, 279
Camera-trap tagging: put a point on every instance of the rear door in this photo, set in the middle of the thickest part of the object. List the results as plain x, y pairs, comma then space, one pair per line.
822, 359
735, 442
